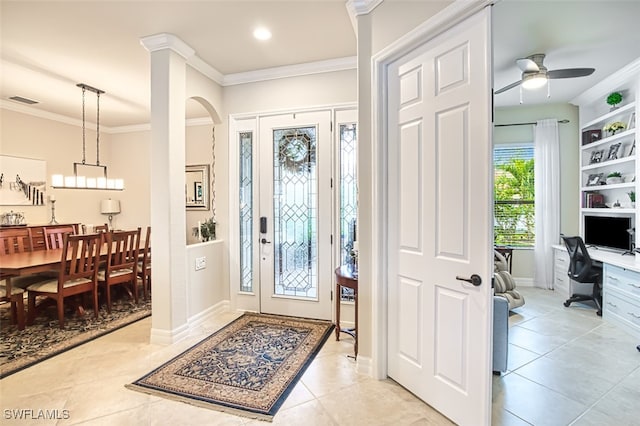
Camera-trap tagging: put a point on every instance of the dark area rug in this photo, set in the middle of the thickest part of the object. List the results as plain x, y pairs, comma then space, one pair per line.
44, 339
248, 367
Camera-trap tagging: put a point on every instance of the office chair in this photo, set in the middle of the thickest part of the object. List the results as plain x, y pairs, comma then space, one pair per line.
583, 270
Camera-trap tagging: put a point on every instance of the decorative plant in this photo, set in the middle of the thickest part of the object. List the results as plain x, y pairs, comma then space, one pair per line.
632, 196
614, 175
614, 99
614, 127
207, 230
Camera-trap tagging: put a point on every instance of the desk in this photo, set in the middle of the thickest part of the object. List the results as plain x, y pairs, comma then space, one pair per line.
620, 286
345, 278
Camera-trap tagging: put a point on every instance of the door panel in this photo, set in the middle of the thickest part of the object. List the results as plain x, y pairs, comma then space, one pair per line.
295, 200
439, 210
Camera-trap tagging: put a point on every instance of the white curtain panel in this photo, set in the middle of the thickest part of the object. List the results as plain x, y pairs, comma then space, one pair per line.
547, 187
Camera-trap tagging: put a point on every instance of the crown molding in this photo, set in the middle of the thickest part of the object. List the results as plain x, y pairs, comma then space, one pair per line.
628, 75
169, 41
356, 8
162, 41
319, 67
361, 7
197, 63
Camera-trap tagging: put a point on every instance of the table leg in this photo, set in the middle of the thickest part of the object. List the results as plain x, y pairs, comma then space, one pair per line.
355, 337
338, 312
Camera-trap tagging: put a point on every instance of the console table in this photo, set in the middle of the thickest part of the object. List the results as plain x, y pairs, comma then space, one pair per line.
345, 278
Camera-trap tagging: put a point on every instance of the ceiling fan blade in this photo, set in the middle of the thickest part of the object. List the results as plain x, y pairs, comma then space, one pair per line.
505, 88
570, 73
527, 65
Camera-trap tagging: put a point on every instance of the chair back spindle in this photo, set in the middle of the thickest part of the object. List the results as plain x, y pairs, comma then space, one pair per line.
54, 236
15, 241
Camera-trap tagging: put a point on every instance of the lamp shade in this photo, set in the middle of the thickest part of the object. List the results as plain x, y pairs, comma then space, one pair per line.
109, 206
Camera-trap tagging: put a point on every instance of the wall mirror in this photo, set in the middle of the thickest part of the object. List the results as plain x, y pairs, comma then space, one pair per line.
196, 189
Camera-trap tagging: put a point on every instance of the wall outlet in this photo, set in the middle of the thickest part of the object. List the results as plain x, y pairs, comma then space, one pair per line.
201, 263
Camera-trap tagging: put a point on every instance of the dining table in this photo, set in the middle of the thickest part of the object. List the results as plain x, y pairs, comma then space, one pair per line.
33, 262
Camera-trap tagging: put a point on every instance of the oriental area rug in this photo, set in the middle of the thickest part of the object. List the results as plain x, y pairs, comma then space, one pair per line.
247, 368
44, 339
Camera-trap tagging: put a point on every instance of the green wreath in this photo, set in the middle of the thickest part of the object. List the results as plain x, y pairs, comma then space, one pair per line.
296, 152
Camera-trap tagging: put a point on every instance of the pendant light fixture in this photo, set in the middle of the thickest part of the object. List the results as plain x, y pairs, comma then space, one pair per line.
79, 181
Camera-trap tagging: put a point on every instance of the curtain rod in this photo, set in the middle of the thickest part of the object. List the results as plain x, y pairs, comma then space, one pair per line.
526, 124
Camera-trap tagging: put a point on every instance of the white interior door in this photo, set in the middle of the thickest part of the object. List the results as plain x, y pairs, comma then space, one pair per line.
295, 214
440, 221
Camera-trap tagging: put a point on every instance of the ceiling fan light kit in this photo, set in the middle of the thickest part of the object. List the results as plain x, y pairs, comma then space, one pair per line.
534, 80
535, 75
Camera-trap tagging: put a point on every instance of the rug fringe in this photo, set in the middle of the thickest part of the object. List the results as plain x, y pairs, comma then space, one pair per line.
201, 404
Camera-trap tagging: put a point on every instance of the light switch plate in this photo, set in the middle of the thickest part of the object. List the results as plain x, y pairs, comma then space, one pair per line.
201, 263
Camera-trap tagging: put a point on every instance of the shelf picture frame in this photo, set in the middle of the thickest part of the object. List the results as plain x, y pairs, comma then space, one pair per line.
596, 156
613, 151
632, 121
590, 136
595, 179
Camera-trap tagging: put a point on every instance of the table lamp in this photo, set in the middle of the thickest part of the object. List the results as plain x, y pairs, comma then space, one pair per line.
110, 207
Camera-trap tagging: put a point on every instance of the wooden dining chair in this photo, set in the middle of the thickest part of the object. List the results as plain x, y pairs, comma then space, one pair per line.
54, 236
78, 274
121, 267
101, 228
144, 265
14, 241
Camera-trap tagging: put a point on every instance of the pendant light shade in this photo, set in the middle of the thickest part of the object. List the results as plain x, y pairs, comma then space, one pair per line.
77, 181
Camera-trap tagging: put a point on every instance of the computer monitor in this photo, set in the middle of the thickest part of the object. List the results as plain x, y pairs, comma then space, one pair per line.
608, 231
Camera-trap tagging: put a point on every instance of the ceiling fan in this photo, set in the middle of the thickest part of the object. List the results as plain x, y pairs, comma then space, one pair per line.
535, 74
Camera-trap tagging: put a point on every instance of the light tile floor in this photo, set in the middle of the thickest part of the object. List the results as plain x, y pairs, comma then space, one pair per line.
566, 366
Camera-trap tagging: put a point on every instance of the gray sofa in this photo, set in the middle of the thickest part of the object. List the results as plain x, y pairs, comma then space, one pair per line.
500, 334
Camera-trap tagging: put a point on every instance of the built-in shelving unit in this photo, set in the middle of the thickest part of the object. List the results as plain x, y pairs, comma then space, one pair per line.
603, 153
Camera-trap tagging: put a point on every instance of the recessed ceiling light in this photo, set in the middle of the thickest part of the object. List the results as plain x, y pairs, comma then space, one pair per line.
262, 33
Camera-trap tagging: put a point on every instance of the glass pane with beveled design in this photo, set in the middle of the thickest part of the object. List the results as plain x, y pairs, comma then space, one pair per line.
246, 211
348, 197
295, 212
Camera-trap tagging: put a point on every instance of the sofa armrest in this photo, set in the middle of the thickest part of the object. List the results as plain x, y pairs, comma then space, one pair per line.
500, 333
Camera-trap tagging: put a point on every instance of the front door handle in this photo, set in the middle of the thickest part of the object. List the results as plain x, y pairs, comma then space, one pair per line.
475, 279
264, 241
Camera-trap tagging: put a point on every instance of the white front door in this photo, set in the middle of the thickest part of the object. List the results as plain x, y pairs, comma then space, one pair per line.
440, 221
295, 214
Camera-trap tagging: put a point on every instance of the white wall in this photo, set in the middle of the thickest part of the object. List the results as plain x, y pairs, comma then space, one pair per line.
523, 260
289, 93
393, 19
207, 289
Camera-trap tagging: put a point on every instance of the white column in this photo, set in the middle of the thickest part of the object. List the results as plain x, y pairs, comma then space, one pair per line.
168, 215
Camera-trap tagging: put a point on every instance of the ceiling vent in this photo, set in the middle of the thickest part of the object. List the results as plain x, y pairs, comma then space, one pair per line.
23, 100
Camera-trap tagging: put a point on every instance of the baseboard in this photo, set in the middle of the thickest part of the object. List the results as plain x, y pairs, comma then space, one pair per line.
523, 282
203, 316
364, 365
168, 337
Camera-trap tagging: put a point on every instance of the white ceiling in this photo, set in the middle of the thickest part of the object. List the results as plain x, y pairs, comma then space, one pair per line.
47, 47
573, 34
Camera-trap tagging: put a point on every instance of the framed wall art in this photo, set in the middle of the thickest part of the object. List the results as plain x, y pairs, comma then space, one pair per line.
23, 181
